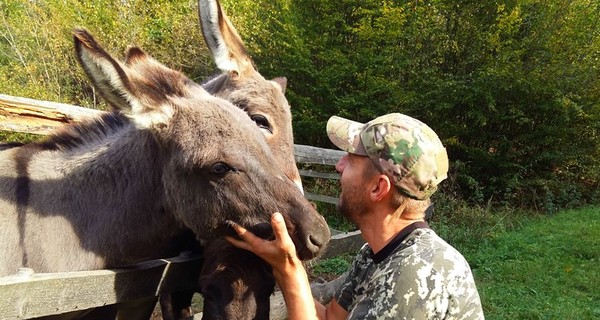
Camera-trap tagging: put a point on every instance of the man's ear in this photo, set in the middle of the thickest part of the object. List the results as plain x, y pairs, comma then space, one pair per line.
381, 186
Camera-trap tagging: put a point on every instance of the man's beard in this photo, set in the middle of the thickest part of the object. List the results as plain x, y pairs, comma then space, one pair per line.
350, 204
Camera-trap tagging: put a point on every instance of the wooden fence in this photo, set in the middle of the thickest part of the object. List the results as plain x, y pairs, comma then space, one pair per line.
27, 295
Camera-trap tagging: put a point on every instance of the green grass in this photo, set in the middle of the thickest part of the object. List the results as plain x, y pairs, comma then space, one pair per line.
548, 269
329, 269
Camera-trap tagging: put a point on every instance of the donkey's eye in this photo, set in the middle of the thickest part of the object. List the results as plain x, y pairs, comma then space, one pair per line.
221, 168
261, 122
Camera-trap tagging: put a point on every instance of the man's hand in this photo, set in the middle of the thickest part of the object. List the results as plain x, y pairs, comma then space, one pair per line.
279, 253
287, 268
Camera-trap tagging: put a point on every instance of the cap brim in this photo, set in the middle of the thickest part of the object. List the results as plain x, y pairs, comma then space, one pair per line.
345, 134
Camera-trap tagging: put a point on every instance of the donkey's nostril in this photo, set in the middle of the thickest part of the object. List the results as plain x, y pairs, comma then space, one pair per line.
313, 245
315, 242
318, 241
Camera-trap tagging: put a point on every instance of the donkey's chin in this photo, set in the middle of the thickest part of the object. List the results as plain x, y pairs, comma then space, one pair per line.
307, 253
306, 250
261, 230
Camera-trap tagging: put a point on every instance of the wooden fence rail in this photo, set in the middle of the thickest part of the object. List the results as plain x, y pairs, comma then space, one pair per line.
27, 295
39, 117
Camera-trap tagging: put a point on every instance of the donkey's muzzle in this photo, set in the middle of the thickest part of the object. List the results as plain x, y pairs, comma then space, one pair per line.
313, 241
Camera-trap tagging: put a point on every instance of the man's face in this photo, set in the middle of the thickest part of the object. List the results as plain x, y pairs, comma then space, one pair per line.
352, 202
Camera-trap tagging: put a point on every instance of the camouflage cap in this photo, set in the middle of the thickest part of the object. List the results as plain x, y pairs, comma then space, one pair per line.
404, 148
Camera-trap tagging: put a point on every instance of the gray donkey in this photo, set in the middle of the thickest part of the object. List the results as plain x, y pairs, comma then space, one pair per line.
265, 103
115, 191
242, 84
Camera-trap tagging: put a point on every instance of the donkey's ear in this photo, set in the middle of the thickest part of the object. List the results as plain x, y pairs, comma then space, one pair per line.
112, 81
222, 39
105, 72
282, 82
135, 55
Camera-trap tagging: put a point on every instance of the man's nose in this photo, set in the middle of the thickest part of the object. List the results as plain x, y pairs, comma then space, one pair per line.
341, 164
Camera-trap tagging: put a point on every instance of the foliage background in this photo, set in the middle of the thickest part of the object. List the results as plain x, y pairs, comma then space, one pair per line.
511, 86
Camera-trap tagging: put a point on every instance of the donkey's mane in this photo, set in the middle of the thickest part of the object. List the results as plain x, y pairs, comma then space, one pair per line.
77, 134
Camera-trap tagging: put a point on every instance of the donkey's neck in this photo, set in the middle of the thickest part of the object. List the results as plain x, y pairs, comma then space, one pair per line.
110, 194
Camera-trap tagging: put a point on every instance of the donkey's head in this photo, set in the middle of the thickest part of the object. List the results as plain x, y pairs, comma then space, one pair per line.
235, 283
214, 162
263, 100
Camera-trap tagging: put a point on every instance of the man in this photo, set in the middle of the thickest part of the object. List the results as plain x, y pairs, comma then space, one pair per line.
405, 270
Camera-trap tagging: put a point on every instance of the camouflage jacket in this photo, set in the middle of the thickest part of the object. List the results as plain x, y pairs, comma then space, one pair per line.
416, 276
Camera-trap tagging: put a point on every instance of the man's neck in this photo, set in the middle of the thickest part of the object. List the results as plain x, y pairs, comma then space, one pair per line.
380, 230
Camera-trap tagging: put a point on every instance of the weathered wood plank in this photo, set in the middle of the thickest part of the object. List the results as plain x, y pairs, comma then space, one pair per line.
35, 295
320, 198
19, 114
344, 242
317, 174
315, 155
27, 124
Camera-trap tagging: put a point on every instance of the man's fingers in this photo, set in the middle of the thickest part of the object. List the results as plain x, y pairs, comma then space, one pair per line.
278, 224
238, 229
238, 243
275, 252
243, 232
249, 239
